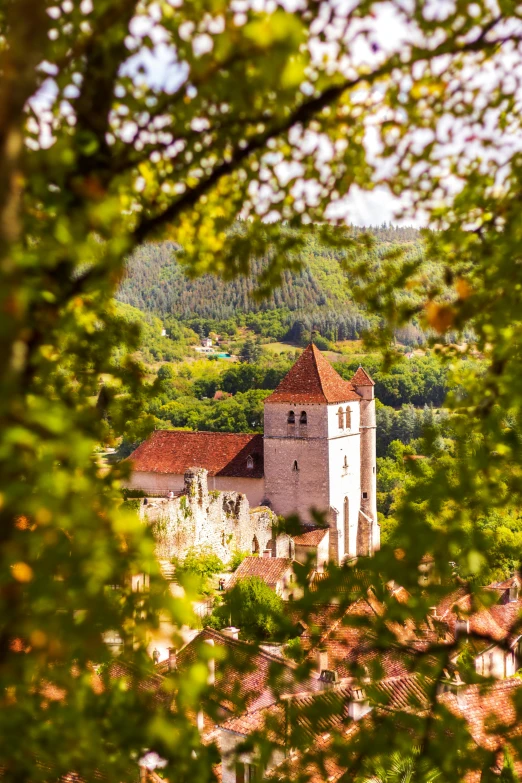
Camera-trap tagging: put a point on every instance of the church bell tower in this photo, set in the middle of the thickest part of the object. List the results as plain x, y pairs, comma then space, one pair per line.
319, 452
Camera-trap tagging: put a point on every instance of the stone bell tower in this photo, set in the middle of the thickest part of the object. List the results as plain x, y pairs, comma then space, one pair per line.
314, 452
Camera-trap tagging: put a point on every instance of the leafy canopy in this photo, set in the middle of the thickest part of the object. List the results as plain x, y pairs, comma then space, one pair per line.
274, 114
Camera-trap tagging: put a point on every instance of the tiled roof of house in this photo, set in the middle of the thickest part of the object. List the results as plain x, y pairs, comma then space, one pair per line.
406, 693
221, 453
361, 378
311, 537
314, 711
495, 623
269, 569
488, 711
153, 684
245, 675
312, 379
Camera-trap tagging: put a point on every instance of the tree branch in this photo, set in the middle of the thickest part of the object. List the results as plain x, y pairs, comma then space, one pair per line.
302, 115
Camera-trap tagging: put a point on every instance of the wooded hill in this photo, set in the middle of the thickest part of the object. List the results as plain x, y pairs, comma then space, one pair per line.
318, 294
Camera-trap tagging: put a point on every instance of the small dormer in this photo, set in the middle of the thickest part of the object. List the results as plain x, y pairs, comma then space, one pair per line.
250, 462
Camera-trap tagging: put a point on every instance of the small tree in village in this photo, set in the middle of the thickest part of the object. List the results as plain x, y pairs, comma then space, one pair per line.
252, 606
124, 121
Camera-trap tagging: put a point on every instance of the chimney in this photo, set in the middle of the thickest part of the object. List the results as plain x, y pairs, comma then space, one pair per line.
211, 665
322, 661
358, 705
267, 553
433, 611
231, 631
172, 659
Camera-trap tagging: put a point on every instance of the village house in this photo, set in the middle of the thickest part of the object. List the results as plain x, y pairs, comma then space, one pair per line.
276, 572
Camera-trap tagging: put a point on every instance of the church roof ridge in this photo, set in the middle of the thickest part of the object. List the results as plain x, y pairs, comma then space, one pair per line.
312, 379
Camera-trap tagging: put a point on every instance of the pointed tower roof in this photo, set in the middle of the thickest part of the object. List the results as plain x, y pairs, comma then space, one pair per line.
361, 378
313, 379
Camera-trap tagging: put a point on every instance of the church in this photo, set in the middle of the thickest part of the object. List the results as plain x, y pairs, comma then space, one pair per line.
318, 451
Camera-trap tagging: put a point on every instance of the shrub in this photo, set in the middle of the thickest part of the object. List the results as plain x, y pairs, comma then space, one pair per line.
251, 606
238, 555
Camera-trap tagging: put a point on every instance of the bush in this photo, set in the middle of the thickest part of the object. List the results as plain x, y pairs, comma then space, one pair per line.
252, 607
293, 649
203, 562
237, 558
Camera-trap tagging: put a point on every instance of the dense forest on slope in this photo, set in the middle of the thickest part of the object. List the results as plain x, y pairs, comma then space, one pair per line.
315, 297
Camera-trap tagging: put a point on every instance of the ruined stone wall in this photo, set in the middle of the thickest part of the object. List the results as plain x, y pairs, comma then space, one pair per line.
201, 517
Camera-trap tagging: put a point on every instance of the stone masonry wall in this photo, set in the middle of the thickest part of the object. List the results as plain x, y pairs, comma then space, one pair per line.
292, 488
148, 482
222, 521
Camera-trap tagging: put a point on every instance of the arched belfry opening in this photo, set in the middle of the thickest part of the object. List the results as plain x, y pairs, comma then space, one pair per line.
303, 419
340, 417
291, 417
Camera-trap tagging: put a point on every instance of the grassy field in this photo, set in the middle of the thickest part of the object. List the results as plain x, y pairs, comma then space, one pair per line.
281, 347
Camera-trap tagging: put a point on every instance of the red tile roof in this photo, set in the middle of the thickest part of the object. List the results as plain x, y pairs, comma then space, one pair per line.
221, 453
269, 569
490, 712
361, 378
311, 537
312, 379
245, 675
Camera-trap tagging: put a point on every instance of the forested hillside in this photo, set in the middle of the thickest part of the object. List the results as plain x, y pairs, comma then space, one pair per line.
315, 297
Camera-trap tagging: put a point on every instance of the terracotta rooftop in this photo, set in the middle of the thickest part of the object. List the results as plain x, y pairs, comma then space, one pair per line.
246, 676
269, 569
312, 379
311, 537
221, 453
489, 712
361, 378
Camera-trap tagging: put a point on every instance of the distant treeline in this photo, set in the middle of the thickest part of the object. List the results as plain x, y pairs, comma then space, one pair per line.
315, 298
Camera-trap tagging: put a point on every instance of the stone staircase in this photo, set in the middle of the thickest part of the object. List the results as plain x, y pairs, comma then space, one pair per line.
168, 570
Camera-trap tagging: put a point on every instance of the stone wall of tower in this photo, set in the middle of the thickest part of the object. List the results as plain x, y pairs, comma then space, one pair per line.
290, 490
370, 540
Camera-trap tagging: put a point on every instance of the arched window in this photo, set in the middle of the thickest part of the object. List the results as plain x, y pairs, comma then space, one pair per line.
291, 417
340, 416
345, 464
302, 418
255, 546
296, 466
348, 418
250, 463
